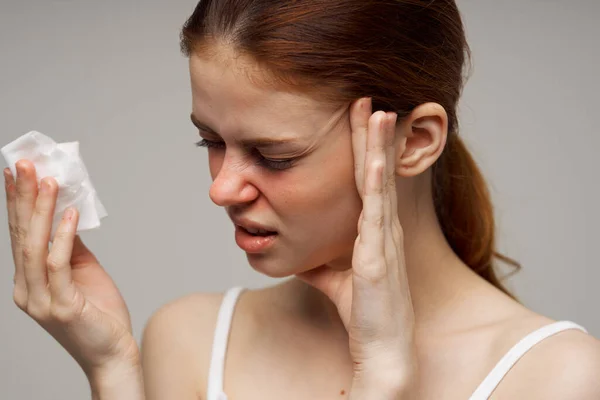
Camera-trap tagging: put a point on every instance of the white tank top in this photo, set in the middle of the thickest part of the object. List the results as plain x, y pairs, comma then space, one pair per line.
483, 392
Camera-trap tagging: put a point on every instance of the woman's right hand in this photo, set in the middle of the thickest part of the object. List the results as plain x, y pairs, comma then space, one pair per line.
64, 288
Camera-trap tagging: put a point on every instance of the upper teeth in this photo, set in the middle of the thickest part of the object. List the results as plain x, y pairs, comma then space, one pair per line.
255, 231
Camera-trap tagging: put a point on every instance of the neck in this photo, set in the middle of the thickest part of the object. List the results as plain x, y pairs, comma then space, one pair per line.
439, 281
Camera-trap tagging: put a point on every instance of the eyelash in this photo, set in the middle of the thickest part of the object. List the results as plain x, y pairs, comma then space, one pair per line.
262, 161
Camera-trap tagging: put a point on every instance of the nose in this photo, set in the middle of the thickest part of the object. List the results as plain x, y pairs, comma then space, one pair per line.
231, 187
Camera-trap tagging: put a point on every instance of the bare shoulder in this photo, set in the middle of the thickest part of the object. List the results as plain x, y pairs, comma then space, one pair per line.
573, 362
565, 366
176, 346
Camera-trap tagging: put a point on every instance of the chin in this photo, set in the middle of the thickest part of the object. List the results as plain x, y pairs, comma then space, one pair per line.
272, 266
269, 266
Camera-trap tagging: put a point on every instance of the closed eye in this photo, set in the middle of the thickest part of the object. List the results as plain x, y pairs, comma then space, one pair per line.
274, 165
211, 144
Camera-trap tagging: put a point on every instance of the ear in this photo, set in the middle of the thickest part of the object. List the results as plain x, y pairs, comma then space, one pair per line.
421, 137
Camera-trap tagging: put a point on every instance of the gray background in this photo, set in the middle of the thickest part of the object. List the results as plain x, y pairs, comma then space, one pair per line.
109, 74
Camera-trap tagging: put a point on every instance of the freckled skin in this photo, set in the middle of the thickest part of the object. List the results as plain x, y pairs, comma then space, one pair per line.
314, 205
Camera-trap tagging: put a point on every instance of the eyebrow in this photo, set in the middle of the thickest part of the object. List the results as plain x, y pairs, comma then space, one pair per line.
248, 143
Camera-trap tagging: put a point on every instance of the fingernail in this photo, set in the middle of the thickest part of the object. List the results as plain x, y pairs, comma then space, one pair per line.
20, 170
364, 103
69, 214
7, 174
45, 187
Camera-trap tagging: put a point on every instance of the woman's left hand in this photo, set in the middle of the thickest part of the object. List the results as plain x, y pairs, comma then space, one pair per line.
373, 297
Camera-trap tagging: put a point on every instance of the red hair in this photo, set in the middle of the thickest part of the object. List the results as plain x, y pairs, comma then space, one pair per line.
402, 53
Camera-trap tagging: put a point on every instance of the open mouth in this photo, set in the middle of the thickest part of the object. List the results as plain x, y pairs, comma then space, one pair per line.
255, 241
257, 232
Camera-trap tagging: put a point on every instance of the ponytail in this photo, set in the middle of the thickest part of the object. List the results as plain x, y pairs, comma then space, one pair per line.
464, 209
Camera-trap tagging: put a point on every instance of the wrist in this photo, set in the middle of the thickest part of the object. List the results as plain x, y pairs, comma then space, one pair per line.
119, 379
385, 384
381, 390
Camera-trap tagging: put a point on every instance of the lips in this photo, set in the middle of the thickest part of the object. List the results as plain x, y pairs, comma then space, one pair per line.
253, 227
259, 232
253, 237
254, 244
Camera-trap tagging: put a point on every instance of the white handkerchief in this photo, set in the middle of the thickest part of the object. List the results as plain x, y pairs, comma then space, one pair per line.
62, 162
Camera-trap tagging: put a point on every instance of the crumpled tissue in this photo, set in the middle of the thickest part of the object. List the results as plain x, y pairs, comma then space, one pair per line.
61, 161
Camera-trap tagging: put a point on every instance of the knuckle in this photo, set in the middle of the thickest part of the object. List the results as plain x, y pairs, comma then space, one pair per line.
54, 265
376, 165
366, 263
37, 310
20, 299
397, 229
378, 222
373, 273
27, 253
370, 267
23, 191
18, 233
41, 209
66, 309
62, 314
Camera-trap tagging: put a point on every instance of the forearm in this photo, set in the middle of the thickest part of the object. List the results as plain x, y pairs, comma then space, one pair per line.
123, 382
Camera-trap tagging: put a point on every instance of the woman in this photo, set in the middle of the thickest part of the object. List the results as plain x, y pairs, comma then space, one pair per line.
333, 147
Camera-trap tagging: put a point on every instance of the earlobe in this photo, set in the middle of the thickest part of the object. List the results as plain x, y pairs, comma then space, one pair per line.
423, 132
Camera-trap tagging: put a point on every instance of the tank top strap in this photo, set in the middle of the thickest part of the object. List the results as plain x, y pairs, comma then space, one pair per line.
489, 384
219, 345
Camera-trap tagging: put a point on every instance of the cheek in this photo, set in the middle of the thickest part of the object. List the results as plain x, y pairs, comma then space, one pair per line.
317, 197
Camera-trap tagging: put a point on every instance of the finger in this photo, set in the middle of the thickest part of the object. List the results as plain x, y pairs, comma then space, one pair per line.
360, 112
26, 197
360, 218
11, 203
20, 289
389, 193
371, 260
39, 237
390, 156
397, 277
60, 280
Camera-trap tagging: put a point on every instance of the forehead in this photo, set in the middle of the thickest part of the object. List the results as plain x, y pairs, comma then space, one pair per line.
228, 99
